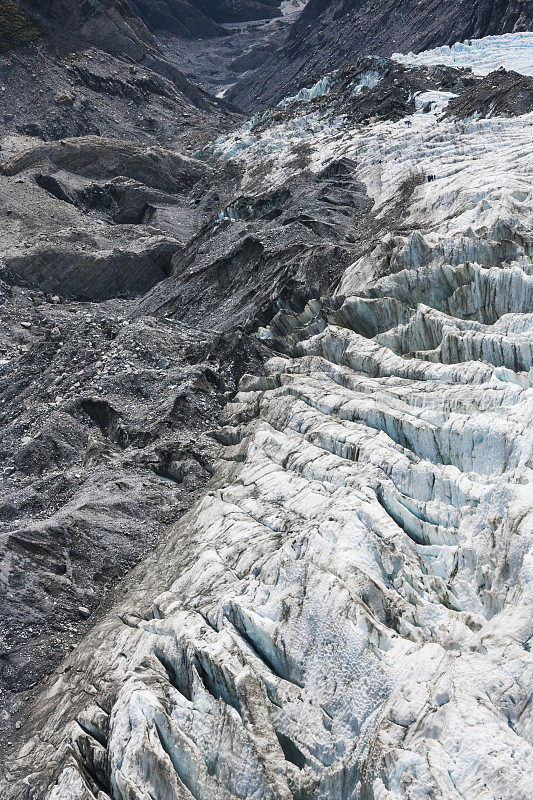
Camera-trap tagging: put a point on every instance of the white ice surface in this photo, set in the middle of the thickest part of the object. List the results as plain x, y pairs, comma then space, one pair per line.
514, 51
434, 100
317, 90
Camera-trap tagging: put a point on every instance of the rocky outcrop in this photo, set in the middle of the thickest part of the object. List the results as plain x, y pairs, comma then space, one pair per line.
501, 93
329, 34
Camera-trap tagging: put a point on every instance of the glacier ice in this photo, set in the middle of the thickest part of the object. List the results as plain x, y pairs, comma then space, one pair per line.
347, 612
510, 50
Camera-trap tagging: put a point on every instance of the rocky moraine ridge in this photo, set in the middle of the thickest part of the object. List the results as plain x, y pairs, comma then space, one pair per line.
310, 345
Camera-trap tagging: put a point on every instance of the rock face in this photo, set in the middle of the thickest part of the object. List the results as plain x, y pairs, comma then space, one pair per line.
346, 612
97, 69
123, 24
202, 18
330, 33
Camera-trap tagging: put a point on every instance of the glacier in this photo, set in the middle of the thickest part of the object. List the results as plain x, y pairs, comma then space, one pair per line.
347, 612
512, 51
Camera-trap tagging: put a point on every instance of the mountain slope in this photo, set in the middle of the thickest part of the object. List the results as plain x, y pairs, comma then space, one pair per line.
195, 18
330, 33
103, 23
201, 18
97, 69
16, 27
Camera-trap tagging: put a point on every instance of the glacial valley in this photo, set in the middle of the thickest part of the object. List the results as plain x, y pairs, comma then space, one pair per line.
266, 396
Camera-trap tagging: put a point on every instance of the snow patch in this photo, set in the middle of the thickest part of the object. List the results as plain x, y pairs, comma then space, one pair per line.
433, 101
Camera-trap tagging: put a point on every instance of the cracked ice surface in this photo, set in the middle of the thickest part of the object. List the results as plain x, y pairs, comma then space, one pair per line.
353, 611
347, 613
474, 198
510, 50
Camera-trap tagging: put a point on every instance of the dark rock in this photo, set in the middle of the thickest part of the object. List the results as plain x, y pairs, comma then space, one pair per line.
64, 100
500, 93
201, 18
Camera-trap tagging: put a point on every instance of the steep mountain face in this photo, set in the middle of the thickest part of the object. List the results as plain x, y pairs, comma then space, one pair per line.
201, 18
345, 610
331, 32
109, 25
124, 20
